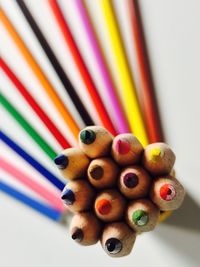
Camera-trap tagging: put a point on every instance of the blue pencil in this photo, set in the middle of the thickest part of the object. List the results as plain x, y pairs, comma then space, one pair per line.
34, 204
33, 162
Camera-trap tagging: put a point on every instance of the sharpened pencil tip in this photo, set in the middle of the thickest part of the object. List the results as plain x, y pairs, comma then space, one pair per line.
61, 161
68, 196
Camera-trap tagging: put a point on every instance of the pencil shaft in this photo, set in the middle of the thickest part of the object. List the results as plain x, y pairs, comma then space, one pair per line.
55, 64
88, 81
131, 102
52, 198
34, 204
32, 161
34, 105
37, 138
151, 113
120, 118
69, 121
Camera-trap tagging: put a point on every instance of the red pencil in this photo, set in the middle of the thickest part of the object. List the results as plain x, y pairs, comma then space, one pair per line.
102, 112
34, 105
151, 114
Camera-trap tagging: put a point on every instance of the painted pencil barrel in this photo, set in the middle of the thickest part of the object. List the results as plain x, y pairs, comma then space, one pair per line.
126, 149
167, 193
142, 215
102, 173
117, 239
109, 206
158, 159
85, 228
134, 182
72, 163
78, 195
95, 141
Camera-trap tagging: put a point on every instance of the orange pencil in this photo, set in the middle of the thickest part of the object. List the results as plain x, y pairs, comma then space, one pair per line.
109, 205
70, 122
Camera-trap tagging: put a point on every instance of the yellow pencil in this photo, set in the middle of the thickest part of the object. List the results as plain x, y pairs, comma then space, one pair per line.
129, 91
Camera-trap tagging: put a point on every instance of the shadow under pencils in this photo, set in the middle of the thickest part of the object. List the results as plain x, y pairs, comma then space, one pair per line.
187, 216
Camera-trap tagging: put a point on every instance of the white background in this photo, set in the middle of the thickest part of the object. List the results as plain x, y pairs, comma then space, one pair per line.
173, 37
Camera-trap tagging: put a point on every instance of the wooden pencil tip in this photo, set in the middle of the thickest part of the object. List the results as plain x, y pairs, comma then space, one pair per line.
97, 172
87, 136
104, 206
68, 196
77, 234
113, 245
61, 161
155, 154
130, 180
167, 192
122, 147
140, 217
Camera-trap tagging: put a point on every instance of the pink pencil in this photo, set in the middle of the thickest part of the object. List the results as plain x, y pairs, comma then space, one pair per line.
122, 124
52, 198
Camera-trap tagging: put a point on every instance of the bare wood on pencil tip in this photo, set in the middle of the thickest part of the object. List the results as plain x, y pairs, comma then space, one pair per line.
117, 239
134, 182
109, 205
167, 193
78, 195
95, 141
85, 228
142, 215
102, 172
126, 149
72, 163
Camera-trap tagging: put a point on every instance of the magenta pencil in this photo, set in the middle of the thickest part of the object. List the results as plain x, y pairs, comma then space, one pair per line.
120, 119
52, 198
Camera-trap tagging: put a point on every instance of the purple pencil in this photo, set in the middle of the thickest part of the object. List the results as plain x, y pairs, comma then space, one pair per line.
122, 124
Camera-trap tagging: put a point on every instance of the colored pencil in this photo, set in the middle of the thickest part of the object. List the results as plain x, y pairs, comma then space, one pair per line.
95, 141
126, 149
30, 202
134, 182
72, 163
53, 199
149, 103
34, 105
109, 205
32, 161
132, 106
78, 195
78, 59
142, 215
36, 137
56, 64
167, 193
85, 228
70, 122
102, 173
117, 239
110, 92
158, 159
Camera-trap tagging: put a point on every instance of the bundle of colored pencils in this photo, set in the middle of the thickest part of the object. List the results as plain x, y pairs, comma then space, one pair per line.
119, 107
